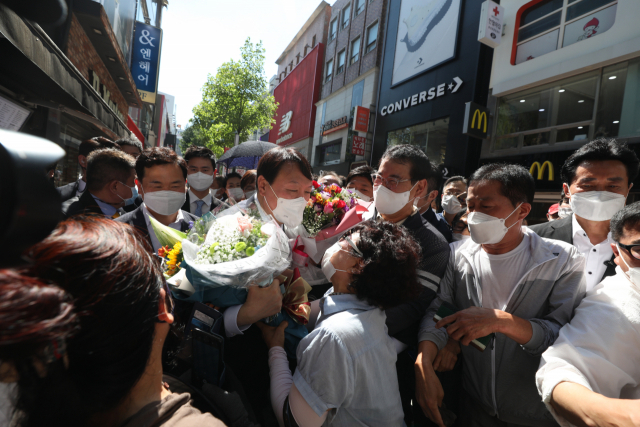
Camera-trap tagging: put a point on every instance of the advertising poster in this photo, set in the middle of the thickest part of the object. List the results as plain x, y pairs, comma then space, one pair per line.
427, 33
589, 26
145, 61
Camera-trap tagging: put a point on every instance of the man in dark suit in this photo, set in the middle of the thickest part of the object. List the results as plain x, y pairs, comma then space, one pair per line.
75, 189
201, 166
597, 179
423, 203
110, 176
161, 182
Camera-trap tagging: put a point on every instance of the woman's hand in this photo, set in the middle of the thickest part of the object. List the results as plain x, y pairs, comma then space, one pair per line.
272, 336
447, 357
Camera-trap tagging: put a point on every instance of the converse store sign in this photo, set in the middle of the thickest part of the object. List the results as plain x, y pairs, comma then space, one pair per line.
424, 96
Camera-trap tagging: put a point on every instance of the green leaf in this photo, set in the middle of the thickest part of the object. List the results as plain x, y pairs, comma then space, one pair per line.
166, 235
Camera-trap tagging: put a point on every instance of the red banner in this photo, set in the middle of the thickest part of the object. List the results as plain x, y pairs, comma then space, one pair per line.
361, 122
357, 145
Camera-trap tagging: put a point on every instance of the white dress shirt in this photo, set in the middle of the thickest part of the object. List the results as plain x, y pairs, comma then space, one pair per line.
81, 187
208, 200
154, 240
595, 255
598, 349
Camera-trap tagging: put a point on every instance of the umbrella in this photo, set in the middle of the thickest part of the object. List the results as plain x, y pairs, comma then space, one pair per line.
246, 154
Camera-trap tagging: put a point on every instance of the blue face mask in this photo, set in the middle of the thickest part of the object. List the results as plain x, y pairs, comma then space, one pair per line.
134, 196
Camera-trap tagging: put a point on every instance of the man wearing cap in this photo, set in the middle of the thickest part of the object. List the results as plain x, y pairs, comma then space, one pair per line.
552, 213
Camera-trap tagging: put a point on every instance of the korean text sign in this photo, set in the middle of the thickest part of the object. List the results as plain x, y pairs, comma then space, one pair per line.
145, 60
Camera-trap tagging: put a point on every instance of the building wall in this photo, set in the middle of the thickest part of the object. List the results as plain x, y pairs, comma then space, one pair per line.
374, 11
620, 42
83, 55
318, 28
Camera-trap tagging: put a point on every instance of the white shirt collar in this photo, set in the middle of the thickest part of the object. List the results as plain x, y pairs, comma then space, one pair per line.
207, 199
580, 234
81, 186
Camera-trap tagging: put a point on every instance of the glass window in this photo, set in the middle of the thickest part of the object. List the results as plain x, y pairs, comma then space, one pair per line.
612, 91
346, 15
548, 25
341, 56
356, 94
430, 137
330, 154
372, 38
329, 70
355, 51
506, 143
536, 139
333, 29
577, 133
359, 6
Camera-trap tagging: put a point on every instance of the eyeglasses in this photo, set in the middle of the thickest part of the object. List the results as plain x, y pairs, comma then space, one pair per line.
353, 245
391, 183
634, 250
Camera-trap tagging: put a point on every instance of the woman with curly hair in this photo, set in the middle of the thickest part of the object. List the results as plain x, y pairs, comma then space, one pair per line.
346, 371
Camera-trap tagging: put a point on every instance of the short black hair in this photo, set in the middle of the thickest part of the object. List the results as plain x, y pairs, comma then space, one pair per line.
275, 159
334, 174
363, 171
107, 165
220, 180
249, 177
96, 143
131, 141
419, 165
456, 178
231, 175
159, 156
516, 183
390, 255
433, 182
627, 217
598, 150
198, 151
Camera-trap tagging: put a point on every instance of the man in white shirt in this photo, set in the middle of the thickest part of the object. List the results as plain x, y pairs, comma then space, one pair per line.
597, 179
591, 374
505, 281
201, 165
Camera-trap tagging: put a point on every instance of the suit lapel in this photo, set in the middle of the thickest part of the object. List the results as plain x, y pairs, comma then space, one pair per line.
563, 229
89, 204
187, 204
140, 223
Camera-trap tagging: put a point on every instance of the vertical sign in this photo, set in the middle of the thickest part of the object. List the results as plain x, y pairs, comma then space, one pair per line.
145, 60
491, 18
476, 120
357, 145
361, 122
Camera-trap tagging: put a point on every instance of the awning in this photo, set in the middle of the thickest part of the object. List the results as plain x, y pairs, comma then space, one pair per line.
92, 16
134, 128
35, 69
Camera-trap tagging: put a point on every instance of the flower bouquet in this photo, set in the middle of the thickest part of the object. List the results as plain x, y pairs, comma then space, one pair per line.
171, 249
331, 210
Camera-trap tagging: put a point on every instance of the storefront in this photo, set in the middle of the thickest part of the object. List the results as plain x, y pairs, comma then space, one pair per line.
297, 95
433, 64
566, 72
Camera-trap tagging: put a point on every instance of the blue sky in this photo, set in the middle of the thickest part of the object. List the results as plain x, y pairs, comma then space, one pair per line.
199, 35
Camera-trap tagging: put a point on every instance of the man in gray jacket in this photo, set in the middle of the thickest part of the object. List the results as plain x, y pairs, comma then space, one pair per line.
509, 284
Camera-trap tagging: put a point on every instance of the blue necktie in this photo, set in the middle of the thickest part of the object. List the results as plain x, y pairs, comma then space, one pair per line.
198, 211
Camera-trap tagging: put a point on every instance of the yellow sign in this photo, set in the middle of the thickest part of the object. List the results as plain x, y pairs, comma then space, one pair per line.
149, 97
481, 115
541, 169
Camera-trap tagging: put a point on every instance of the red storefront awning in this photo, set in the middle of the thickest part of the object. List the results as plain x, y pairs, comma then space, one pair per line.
134, 128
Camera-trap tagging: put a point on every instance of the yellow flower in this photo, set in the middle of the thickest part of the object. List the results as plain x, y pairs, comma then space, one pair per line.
173, 256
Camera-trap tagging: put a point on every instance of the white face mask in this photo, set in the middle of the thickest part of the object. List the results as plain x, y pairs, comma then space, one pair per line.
596, 205
457, 237
451, 204
564, 212
327, 267
164, 202
200, 181
387, 202
249, 194
486, 229
288, 211
235, 193
633, 273
359, 194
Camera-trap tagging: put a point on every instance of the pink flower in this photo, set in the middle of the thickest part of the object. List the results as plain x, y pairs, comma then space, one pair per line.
244, 224
328, 208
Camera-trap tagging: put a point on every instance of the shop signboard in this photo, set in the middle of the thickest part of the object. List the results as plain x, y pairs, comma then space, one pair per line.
145, 60
535, 166
491, 18
361, 122
335, 125
357, 145
296, 96
426, 37
476, 120
423, 96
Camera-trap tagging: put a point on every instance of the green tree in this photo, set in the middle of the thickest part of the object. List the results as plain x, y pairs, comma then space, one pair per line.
195, 135
236, 99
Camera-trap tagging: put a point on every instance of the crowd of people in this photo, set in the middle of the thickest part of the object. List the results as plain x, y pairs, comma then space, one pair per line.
442, 307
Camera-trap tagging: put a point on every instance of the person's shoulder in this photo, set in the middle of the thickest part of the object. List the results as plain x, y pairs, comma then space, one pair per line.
548, 229
424, 231
188, 216
129, 217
